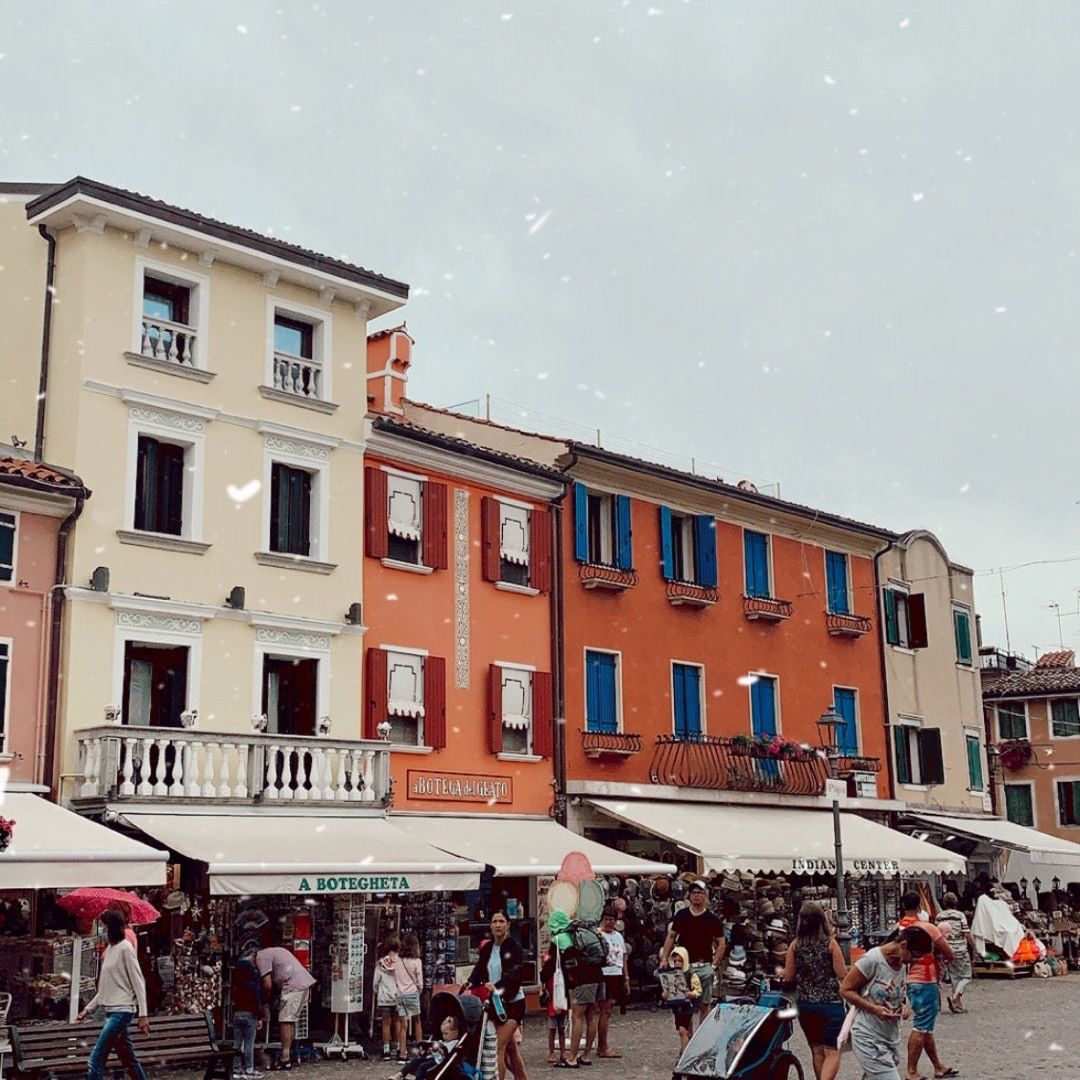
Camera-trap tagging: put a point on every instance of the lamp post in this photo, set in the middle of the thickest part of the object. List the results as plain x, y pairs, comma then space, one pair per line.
829, 724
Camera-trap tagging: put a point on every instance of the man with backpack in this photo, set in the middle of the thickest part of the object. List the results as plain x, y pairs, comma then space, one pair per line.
701, 934
582, 954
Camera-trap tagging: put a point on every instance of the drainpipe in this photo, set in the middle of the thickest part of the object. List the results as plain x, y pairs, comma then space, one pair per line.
55, 630
557, 661
46, 336
891, 772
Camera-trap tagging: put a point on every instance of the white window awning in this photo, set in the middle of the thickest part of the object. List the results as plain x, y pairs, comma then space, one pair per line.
522, 847
1039, 846
54, 848
264, 853
763, 839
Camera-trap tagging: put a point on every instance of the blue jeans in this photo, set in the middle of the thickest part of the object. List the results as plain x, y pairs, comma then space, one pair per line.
244, 1037
114, 1036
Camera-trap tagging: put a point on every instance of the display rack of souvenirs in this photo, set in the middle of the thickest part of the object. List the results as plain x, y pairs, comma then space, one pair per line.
430, 918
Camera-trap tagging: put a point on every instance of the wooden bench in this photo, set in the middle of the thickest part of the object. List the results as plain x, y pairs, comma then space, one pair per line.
48, 1050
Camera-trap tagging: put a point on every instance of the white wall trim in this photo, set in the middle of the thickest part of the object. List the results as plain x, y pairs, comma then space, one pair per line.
291, 622
315, 460
284, 648
155, 606
403, 649
199, 308
164, 630
15, 542
322, 350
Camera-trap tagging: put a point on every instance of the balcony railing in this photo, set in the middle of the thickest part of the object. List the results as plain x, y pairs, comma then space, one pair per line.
596, 576
610, 744
173, 343
766, 608
300, 376
690, 594
719, 763
147, 764
851, 626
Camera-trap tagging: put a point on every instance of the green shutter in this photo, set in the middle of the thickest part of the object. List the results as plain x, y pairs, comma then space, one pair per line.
962, 628
903, 761
1018, 804
892, 627
974, 753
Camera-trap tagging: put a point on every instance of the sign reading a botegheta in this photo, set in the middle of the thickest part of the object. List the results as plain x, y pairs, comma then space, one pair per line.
462, 787
320, 883
853, 866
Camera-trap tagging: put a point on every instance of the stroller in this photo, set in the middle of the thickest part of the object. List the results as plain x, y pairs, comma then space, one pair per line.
464, 1062
742, 1040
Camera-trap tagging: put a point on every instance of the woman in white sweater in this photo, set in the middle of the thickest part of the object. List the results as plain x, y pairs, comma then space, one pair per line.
122, 994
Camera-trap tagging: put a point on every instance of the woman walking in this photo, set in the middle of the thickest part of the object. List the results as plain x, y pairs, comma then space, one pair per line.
876, 985
816, 965
498, 968
122, 993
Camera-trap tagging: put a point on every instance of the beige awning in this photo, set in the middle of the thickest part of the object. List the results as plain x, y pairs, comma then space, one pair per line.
787, 841
54, 848
1039, 846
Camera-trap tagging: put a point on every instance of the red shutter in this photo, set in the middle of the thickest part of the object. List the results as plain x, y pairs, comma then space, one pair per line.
916, 607
376, 526
435, 701
543, 719
491, 522
374, 692
495, 720
434, 512
540, 550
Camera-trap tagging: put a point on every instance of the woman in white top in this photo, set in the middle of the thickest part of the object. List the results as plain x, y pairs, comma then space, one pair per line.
122, 994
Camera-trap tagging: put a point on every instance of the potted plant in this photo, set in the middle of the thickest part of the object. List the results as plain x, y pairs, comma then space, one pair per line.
7, 830
1015, 754
743, 745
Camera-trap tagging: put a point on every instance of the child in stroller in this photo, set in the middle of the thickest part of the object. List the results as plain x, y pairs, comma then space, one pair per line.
461, 1021
431, 1054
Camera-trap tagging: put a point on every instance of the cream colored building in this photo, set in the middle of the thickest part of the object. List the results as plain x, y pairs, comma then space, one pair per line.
209, 384
932, 677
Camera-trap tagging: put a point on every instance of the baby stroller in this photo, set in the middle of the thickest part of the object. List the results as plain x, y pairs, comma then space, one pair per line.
743, 1041
464, 1061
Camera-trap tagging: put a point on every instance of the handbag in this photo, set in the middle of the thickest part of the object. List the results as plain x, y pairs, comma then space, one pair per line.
481, 991
558, 987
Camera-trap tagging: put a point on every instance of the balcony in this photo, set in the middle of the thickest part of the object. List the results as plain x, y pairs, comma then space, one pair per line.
847, 626
168, 342
720, 763
766, 609
617, 744
149, 764
690, 594
298, 376
596, 576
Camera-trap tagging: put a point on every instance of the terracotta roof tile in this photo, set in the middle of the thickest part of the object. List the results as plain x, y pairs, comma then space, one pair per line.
388, 331
37, 473
1035, 683
1066, 658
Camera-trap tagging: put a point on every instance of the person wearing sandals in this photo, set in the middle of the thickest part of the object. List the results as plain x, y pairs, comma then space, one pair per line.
816, 965
279, 968
952, 922
498, 969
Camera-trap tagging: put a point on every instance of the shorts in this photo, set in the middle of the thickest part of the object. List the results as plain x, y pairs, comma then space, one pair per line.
515, 1010
821, 1022
408, 1005
707, 974
683, 1015
925, 1001
587, 994
557, 1022
614, 988
291, 1005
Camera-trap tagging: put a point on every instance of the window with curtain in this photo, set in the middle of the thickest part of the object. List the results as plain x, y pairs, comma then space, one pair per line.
1012, 720
1068, 793
1064, 718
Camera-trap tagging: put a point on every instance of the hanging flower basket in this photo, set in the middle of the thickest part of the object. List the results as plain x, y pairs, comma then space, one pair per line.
7, 830
1015, 754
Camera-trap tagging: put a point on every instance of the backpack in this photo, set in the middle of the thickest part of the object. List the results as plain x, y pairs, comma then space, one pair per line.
589, 943
583, 961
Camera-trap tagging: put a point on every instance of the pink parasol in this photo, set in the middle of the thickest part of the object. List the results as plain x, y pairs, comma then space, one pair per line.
575, 868
89, 903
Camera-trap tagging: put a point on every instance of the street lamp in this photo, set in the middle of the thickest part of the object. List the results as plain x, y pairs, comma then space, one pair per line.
1056, 882
1023, 887
1038, 885
829, 724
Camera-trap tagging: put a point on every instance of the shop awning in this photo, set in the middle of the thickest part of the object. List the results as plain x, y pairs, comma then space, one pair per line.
260, 853
54, 848
522, 847
763, 839
1039, 846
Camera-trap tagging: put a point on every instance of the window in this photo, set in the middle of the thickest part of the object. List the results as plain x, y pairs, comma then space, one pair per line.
514, 544
763, 706
159, 487
1019, 808
601, 691
962, 630
520, 711
1064, 718
299, 361
974, 759
405, 518
406, 690
8, 529
1012, 720
5, 691
845, 702
517, 710
170, 315
756, 560
290, 510
836, 583
155, 684
405, 698
516, 541
918, 754
602, 528
688, 547
293, 337
1068, 797
905, 619
686, 695
290, 695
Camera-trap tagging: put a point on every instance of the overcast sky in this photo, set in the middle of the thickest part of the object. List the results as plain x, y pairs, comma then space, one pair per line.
829, 244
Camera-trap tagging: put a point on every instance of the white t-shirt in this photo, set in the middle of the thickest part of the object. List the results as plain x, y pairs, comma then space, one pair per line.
616, 952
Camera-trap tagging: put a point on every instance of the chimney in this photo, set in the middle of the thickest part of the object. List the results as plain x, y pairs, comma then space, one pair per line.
389, 356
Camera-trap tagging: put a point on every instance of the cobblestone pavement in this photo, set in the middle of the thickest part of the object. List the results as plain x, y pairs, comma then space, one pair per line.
1017, 1029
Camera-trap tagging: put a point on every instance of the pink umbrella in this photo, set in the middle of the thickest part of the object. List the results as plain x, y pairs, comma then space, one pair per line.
89, 903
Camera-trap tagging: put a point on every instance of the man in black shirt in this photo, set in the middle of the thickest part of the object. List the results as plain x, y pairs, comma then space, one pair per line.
701, 934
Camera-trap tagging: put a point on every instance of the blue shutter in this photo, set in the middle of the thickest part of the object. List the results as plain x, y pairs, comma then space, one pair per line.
705, 549
600, 713
847, 737
756, 557
581, 522
667, 556
608, 712
686, 697
763, 706
836, 582
624, 551
678, 699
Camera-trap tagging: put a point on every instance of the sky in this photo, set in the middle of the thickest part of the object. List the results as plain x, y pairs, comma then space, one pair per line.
832, 246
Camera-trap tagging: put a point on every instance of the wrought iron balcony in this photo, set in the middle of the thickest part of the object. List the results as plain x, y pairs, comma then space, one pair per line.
610, 744
850, 626
767, 609
721, 763
597, 576
148, 764
691, 594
